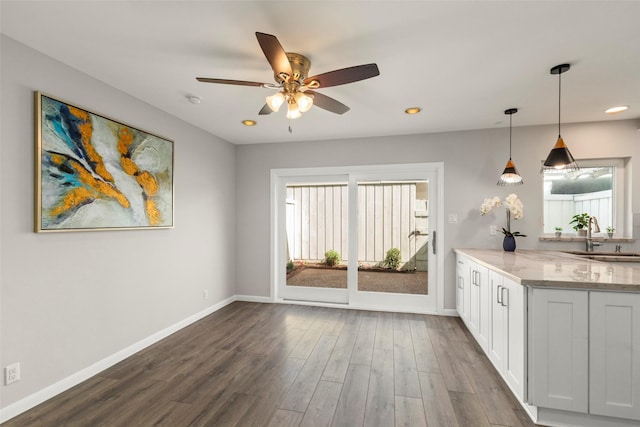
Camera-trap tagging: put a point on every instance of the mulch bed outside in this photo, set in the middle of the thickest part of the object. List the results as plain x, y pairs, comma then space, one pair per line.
369, 278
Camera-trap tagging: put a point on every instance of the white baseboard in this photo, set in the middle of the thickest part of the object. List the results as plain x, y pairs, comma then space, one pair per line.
252, 298
48, 392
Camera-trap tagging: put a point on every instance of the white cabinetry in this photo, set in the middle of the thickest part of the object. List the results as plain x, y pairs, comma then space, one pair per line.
479, 317
506, 338
614, 350
462, 286
559, 357
472, 298
585, 352
492, 307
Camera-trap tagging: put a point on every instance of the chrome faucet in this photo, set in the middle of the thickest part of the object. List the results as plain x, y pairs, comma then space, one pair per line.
596, 228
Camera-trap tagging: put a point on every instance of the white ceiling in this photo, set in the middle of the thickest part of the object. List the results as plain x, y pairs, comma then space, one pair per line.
463, 62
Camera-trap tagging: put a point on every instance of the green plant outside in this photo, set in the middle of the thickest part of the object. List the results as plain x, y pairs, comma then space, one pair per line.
331, 258
392, 259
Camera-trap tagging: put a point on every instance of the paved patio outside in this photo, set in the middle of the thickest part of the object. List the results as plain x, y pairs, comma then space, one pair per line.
368, 280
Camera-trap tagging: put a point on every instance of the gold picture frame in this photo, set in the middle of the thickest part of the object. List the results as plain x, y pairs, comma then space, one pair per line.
93, 173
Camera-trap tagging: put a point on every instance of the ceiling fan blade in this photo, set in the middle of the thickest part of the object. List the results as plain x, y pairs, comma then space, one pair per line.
328, 103
265, 110
275, 54
229, 82
345, 75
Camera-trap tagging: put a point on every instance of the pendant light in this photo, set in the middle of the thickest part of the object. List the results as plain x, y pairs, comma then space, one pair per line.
560, 158
510, 176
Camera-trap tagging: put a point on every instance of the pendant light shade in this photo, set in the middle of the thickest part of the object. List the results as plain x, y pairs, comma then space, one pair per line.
510, 176
560, 158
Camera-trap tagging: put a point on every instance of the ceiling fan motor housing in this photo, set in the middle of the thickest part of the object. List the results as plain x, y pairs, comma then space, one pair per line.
300, 65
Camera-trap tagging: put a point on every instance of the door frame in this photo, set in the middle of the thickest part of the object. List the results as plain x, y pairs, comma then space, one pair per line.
353, 298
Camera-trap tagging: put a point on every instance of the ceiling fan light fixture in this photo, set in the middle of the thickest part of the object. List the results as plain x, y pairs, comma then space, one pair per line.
293, 112
510, 175
560, 158
304, 102
275, 101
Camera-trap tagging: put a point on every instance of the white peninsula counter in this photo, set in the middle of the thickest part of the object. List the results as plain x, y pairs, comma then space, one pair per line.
563, 331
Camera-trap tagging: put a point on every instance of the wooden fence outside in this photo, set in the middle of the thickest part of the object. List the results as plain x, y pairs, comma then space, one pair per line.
389, 216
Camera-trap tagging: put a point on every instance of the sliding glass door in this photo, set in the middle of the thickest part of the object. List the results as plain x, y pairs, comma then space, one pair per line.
366, 238
317, 237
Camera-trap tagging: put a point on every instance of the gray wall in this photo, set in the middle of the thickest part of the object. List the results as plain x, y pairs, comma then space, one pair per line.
473, 162
71, 299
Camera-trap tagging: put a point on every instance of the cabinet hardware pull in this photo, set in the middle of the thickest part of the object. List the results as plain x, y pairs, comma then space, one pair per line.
499, 295
502, 297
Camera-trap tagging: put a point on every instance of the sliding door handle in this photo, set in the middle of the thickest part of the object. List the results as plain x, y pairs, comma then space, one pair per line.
433, 243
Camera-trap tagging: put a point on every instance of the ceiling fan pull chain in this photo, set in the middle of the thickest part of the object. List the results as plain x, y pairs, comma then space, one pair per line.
290, 129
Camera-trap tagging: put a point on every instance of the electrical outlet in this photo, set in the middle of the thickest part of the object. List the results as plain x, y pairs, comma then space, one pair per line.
205, 294
12, 373
493, 230
453, 218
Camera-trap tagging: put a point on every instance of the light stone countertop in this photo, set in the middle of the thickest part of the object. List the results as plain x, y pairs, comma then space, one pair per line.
557, 269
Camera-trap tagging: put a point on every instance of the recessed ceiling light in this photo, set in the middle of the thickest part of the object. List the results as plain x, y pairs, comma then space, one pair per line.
413, 110
249, 122
616, 110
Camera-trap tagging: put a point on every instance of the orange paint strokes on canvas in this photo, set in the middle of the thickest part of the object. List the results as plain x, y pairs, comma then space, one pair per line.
148, 183
73, 198
81, 114
152, 212
125, 138
92, 188
129, 166
145, 179
86, 132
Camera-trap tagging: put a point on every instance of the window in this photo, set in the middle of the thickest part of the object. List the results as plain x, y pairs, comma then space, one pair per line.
598, 188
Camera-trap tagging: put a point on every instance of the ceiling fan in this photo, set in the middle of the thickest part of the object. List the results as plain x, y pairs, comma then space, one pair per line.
290, 71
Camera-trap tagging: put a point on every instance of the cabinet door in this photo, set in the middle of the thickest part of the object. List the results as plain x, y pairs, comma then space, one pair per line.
463, 272
484, 307
513, 300
479, 317
497, 336
615, 354
474, 301
559, 349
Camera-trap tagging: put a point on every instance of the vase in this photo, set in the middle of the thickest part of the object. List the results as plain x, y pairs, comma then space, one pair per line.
509, 243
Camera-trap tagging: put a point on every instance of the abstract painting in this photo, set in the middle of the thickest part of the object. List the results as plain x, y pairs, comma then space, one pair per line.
93, 173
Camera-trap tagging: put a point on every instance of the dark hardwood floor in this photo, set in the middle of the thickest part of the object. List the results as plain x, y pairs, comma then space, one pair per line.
253, 364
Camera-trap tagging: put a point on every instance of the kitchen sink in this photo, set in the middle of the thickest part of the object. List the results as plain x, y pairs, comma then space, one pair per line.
608, 256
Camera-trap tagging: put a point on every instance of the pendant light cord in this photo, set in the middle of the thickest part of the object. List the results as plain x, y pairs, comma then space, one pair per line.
510, 118
559, 96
